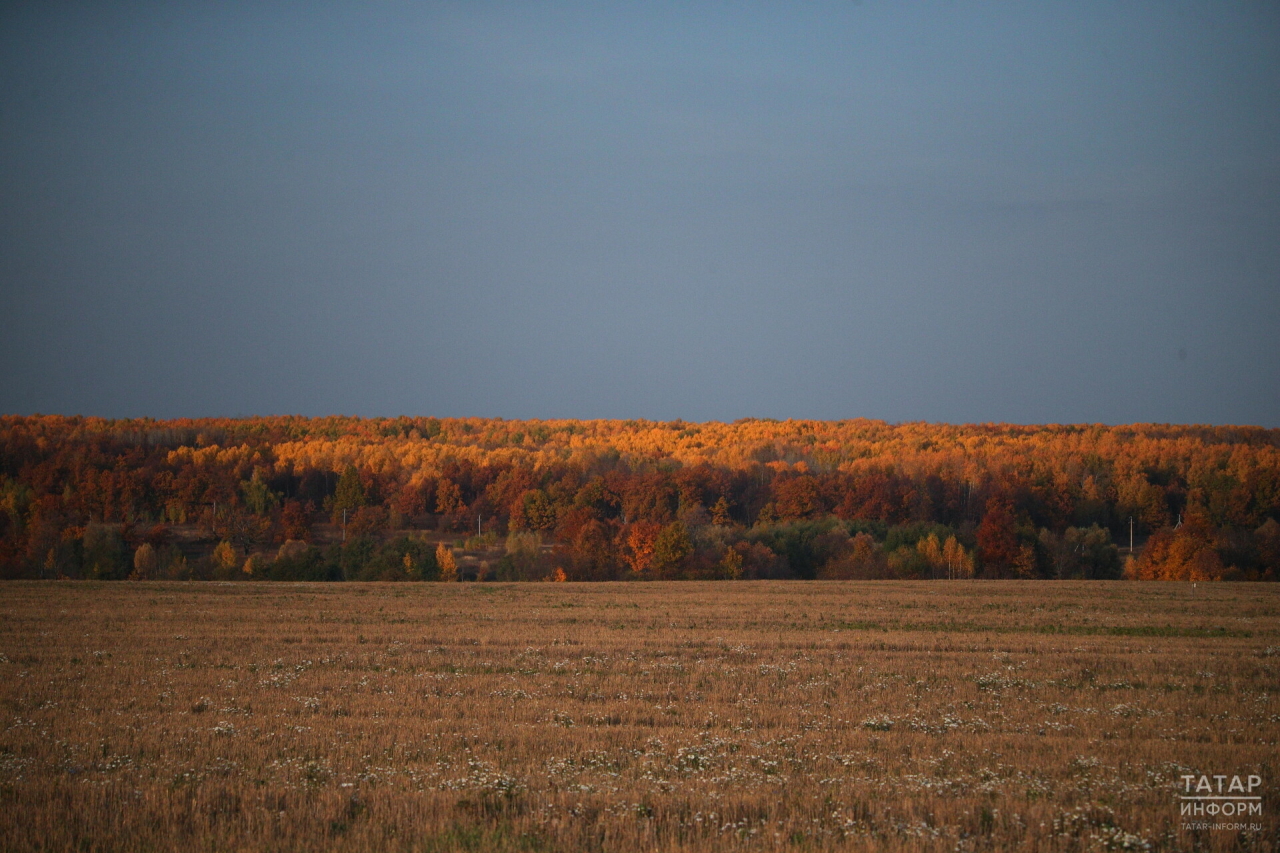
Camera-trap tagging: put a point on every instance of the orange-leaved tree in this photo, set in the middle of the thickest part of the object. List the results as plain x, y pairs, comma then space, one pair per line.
1182, 554
638, 544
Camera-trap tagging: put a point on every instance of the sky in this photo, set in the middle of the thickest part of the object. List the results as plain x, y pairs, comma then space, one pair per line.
951, 211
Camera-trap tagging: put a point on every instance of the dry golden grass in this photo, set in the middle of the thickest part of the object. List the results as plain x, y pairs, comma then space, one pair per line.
755, 716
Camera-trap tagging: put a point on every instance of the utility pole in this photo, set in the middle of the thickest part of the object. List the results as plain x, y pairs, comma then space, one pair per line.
1131, 534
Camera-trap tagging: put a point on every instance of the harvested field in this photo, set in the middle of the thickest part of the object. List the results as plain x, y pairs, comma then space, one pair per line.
669, 716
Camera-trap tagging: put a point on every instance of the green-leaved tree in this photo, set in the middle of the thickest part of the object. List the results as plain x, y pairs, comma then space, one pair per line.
349, 494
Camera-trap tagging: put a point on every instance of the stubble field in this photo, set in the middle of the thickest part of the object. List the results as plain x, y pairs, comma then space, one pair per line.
684, 716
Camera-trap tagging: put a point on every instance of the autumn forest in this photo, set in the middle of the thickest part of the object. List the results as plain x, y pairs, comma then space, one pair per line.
292, 498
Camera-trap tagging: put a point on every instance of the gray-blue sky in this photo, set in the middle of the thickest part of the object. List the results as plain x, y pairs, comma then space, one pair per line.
935, 211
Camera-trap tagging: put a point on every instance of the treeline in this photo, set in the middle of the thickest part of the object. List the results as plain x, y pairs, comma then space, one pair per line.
423, 498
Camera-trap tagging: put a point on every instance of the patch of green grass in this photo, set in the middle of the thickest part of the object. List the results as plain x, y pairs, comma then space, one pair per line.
498, 836
1070, 630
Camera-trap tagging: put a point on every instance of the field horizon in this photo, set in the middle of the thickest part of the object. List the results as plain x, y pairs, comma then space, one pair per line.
1032, 606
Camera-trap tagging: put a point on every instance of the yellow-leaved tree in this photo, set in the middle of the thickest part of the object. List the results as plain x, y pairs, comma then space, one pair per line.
931, 550
448, 565
958, 561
